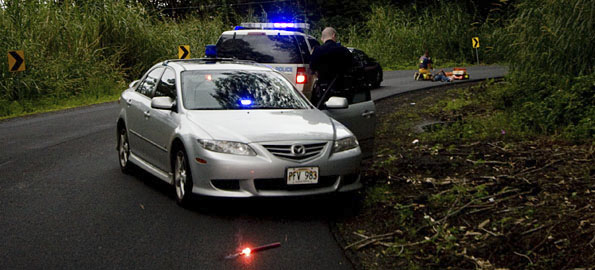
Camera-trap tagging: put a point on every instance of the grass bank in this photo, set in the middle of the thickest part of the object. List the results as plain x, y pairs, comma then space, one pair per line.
492, 197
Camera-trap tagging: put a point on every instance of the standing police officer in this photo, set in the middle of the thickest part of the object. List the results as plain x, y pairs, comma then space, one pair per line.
332, 62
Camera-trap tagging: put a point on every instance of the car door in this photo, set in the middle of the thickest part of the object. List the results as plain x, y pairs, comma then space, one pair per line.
360, 118
160, 124
139, 107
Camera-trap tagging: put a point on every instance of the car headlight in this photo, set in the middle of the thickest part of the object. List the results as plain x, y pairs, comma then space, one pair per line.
345, 144
228, 147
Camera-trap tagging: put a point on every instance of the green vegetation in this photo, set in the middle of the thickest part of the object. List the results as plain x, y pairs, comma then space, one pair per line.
552, 77
86, 52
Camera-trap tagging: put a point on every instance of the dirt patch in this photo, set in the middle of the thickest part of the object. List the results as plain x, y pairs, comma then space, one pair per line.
497, 203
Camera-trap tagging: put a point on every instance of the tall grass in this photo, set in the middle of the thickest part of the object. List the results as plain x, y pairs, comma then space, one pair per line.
87, 49
397, 37
551, 45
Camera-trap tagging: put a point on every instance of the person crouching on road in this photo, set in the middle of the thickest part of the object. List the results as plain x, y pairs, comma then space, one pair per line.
425, 64
331, 62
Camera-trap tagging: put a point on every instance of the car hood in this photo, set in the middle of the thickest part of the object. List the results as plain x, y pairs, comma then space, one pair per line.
264, 125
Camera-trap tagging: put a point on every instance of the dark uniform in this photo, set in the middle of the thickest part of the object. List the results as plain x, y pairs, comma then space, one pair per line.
332, 62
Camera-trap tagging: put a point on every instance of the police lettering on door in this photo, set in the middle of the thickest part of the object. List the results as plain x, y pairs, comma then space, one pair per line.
284, 69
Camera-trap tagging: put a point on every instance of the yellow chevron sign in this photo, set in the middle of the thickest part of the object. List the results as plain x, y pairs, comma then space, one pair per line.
475, 42
16, 61
184, 51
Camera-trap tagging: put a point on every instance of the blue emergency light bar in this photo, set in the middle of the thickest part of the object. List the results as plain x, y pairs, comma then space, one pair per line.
276, 25
211, 51
246, 102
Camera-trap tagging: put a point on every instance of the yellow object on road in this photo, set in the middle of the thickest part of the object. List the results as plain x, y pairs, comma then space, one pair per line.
425, 73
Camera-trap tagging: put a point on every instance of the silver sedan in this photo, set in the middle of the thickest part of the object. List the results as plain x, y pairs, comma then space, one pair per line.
229, 129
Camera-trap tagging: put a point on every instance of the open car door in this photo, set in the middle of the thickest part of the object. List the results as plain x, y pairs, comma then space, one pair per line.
360, 118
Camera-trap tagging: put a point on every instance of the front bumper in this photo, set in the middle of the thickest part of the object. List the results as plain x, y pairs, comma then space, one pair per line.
264, 175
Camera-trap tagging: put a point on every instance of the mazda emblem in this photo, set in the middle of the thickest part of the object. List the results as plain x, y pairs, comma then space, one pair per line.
298, 150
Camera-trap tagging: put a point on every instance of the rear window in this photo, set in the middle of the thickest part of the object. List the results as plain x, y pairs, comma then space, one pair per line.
260, 48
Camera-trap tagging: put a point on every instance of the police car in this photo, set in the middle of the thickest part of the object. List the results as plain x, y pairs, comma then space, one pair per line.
282, 46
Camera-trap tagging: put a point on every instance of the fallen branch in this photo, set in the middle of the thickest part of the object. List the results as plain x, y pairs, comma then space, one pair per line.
494, 178
488, 162
496, 146
495, 202
490, 232
547, 235
471, 144
537, 169
534, 230
456, 211
480, 209
524, 256
371, 239
374, 241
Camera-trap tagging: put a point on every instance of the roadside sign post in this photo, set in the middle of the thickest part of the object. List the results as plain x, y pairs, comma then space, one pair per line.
16, 64
184, 52
475, 42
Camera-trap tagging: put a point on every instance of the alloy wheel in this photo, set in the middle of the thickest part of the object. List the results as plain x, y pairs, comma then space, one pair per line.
123, 149
180, 176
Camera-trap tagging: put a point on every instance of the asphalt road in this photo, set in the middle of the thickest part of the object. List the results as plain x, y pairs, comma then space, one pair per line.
400, 81
65, 204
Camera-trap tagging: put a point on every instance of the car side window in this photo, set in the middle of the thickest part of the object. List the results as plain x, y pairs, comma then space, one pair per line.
167, 85
303, 48
358, 59
313, 44
355, 95
362, 95
147, 86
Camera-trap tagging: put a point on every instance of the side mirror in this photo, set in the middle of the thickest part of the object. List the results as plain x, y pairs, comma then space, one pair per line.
163, 103
133, 84
336, 103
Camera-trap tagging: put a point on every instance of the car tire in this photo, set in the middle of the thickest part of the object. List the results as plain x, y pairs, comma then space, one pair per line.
182, 178
377, 80
124, 151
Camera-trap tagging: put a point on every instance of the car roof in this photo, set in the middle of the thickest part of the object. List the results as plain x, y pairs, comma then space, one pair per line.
202, 64
268, 32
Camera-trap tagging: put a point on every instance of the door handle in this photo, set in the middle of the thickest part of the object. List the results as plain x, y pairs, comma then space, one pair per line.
368, 114
147, 114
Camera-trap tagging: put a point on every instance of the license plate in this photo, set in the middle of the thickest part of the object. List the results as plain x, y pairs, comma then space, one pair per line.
302, 175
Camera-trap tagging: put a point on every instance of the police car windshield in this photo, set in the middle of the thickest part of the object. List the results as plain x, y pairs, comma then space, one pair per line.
259, 47
239, 90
